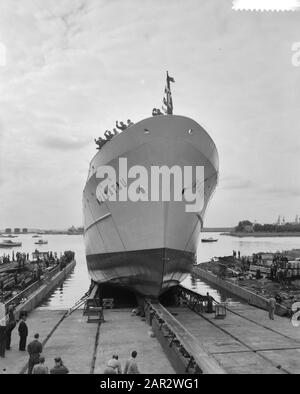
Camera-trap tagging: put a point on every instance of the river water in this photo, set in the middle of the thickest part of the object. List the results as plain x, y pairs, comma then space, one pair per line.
78, 282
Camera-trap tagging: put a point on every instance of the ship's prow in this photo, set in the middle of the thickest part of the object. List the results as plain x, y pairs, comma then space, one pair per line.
148, 244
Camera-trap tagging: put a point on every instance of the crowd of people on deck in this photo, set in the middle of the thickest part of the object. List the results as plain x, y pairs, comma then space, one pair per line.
27, 272
36, 361
19, 257
100, 142
279, 271
36, 358
109, 135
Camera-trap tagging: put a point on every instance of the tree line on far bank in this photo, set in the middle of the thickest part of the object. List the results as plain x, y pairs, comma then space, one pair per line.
246, 226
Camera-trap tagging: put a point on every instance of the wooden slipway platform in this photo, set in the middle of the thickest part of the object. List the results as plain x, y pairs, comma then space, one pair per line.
75, 341
246, 341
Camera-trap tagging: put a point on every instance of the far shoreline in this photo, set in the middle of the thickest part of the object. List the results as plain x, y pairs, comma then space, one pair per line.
262, 235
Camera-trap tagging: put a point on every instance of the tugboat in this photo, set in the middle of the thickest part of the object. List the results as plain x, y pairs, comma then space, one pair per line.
41, 242
147, 245
9, 244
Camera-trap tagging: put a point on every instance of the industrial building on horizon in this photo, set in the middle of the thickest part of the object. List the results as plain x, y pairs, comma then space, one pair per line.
281, 221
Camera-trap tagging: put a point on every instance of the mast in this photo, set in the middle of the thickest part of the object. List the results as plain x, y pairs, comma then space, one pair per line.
167, 100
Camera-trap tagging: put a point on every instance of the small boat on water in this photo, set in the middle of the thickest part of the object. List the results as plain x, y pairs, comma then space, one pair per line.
9, 244
209, 239
8, 236
41, 242
36, 236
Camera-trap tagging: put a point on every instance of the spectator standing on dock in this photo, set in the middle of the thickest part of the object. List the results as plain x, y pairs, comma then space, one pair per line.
272, 306
34, 349
209, 303
41, 368
113, 366
23, 332
11, 324
2, 338
59, 368
131, 365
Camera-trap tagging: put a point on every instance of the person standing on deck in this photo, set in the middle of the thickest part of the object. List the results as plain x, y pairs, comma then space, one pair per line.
272, 307
23, 332
131, 365
11, 324
2, 340
209, 303
34, 349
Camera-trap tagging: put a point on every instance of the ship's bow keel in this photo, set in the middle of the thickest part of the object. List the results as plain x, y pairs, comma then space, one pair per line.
147, 272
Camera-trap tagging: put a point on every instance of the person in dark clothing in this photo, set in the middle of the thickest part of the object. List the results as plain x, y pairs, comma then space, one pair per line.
108, 135
23, 332
209, 303
100, 142
59, 368
2, 341
11, 324
122, 126
34, 349
156, 112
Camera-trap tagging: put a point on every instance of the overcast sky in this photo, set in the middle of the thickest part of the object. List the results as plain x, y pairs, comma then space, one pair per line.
75, 66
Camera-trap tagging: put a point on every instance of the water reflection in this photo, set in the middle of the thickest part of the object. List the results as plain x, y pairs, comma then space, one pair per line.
200, 287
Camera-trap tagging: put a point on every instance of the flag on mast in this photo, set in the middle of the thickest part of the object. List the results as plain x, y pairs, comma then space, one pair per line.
168, 102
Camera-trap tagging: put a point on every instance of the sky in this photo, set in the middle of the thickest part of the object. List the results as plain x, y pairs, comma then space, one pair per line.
73, 67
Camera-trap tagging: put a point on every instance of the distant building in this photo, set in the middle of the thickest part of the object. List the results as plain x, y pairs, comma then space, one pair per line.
25, 230
17, 230
8, 230
282, 222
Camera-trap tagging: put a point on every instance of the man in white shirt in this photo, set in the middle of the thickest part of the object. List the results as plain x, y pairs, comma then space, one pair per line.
113, 366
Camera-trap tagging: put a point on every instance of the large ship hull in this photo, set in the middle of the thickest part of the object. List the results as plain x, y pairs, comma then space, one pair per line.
147, 246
